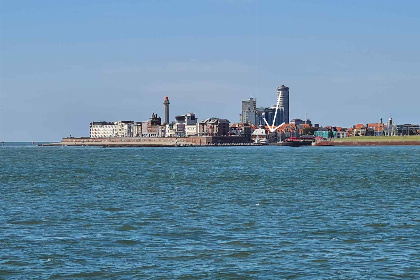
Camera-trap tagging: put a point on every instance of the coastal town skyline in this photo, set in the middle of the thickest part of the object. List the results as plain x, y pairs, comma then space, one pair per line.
211, 139
271, 123
63, 65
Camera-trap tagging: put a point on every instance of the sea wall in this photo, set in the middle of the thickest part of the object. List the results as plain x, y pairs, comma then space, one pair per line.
152, 141
376, 143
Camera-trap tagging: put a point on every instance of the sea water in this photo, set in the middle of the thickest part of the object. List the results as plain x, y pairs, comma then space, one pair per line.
209, 213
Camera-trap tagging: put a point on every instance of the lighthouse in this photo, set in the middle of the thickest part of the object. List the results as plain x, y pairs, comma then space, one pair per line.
166, 104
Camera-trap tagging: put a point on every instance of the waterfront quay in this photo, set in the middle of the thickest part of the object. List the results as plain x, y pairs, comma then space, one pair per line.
197, 141
155, 141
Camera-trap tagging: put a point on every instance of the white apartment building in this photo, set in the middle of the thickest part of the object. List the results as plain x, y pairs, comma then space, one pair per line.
184, 125
114, 129
191, 130
123, 129
102, 129
136, 129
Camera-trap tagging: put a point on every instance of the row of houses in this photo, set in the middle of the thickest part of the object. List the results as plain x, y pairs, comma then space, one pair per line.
183, 126
300, 128
188, 125
373, 129
380, 129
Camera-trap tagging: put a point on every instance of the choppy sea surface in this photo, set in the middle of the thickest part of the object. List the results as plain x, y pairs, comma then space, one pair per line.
209, 213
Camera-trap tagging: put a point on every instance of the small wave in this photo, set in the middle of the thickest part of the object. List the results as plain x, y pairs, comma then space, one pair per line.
126, 228
27, 222
351, 241
320, 260
16, 263
240, 255
4, 272
79, 275
239, 244
149, 266
377, 225
405, 226
126, 242
113, 209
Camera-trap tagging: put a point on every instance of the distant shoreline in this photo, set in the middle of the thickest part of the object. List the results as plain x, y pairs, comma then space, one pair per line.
413, 140
377, 143
208, 141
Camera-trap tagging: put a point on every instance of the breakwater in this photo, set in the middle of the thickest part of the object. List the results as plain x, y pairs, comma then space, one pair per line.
219, 141
154, 141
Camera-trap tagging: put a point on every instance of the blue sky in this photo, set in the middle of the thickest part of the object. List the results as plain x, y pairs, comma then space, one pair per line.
64, 64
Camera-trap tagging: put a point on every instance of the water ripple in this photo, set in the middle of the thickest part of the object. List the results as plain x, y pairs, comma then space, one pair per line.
210, 213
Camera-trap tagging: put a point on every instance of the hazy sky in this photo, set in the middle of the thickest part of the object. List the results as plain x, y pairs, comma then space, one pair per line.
64, 64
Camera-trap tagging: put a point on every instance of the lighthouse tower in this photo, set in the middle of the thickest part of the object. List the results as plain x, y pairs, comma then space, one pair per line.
166, 105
